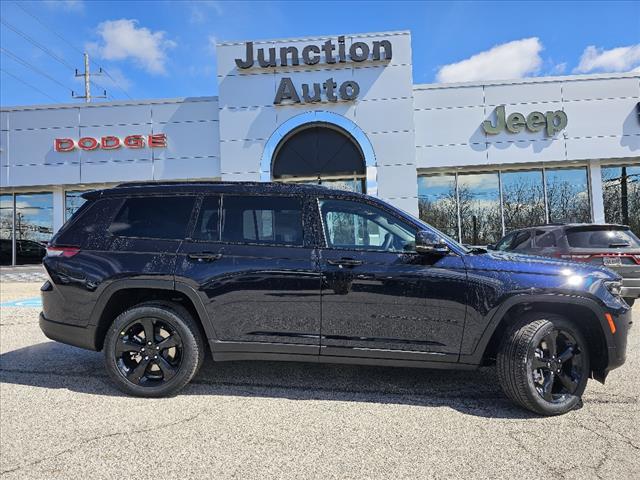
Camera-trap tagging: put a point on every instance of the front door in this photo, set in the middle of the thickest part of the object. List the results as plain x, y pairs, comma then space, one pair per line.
252, 265
379, 297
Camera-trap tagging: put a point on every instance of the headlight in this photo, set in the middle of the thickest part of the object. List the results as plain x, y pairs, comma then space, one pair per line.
615, 288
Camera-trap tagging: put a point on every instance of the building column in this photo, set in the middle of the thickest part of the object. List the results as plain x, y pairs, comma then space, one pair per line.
58, 208
597, 198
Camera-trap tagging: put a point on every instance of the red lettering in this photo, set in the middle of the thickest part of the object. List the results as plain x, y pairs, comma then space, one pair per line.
109, 142
158, 140
134, 141
88, 143
64, 145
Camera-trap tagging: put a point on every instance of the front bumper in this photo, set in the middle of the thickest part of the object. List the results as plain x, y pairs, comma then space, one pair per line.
83, 337
617, 344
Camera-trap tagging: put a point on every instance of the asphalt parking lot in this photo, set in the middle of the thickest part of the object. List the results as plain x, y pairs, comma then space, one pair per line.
62, 418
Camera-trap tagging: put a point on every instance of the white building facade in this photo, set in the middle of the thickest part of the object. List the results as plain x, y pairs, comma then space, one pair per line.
474, 159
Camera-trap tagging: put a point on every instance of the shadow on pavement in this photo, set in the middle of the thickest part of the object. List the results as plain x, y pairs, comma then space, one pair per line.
54, 365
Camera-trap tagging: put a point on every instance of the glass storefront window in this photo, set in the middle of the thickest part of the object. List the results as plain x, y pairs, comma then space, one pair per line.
34, 226
437, 202
621, 195
479, 197
6, 228
523, 199
568, 195
72, 202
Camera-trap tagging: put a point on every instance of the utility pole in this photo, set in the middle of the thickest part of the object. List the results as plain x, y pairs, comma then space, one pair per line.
87, 81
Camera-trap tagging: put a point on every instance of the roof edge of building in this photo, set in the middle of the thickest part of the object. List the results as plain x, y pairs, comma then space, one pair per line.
152, 101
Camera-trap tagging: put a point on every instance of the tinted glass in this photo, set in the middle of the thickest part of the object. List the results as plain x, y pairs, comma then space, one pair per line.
355, 225
6, 228
208, 223
88, 223
34, 226
545, 239
263, 220
602, 239
479, 197
523, 198
621, 192
153, 217
72, 202
505, 243
568, 195
522, 241
437, 202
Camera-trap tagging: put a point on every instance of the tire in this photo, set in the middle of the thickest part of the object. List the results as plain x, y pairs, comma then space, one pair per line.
529, 379
168, 367
630, 301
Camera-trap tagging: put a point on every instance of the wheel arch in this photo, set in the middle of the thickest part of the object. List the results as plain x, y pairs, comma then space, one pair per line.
124, 294
585, 313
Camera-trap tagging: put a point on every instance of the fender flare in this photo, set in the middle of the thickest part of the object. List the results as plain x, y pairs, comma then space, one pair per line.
158, 284
523, 299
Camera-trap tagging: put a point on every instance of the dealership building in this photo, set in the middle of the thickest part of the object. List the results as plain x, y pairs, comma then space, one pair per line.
474, 159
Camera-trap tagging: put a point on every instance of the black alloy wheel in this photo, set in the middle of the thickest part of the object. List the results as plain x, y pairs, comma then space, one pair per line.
153, 349
558, 366
148, 352
543, 363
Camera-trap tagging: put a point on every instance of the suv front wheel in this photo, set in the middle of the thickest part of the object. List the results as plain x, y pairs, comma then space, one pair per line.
153, 349
543, 364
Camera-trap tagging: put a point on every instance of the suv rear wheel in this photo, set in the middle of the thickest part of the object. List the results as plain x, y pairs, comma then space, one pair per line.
543, 364
153, 349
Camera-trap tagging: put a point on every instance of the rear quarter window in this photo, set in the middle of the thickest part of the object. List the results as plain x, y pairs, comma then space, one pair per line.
602, 238
89, 222
162, 217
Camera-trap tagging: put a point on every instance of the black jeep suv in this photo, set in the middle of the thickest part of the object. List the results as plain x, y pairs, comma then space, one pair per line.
152, 274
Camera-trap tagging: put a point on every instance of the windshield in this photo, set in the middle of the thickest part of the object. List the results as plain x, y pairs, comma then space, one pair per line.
602, 238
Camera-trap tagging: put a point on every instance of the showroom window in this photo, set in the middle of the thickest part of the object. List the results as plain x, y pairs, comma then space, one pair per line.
480, 207
33, 227
621, 195
72, 202
6, 228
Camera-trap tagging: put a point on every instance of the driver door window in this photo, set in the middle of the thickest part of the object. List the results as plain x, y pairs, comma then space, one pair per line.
359, 226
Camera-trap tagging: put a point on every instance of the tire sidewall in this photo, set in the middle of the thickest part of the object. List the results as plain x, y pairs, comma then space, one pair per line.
191, 351
560, 323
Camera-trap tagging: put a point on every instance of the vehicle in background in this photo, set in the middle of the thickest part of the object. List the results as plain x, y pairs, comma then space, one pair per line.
609, 245
27, 252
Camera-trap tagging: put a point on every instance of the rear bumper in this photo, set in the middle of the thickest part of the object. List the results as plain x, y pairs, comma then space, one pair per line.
83, 337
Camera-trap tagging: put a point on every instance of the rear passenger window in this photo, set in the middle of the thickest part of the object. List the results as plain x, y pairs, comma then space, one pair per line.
153, 217
89, 220
545, 239
268, 220
208, 223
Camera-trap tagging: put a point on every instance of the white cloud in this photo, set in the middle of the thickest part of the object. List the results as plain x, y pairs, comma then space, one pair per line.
123, 39
621, 59
510, 60
211, 43
199, 10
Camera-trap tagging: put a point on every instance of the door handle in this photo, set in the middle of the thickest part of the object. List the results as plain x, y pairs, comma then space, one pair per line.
205, 257
345, 262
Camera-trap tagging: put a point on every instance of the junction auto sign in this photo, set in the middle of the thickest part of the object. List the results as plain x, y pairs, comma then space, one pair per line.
111, 142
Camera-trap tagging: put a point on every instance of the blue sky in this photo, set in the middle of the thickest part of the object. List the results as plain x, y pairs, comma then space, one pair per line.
167, 49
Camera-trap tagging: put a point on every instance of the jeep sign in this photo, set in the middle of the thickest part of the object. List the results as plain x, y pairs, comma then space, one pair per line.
552, 122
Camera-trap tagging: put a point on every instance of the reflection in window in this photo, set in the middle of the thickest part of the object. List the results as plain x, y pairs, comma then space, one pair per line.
72, 202
568, 195
523, 199
6, 228
479, 197
621, 191
437, 202
34, 226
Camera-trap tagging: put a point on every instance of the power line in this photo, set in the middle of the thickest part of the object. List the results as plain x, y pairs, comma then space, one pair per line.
28, 84
36, 43
32, 67
51, 29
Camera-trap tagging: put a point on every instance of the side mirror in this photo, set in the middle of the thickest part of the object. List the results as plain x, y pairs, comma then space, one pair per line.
427, 244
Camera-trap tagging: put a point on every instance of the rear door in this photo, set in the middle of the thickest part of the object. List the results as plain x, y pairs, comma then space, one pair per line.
253, 265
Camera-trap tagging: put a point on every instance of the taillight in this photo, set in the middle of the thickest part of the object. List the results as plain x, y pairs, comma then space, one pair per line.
62, 251
576, 258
